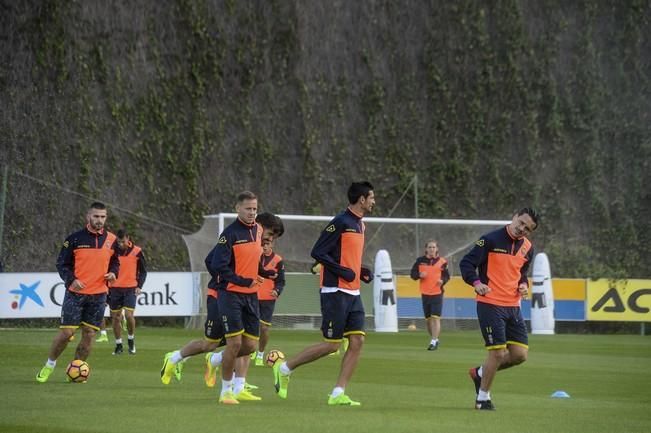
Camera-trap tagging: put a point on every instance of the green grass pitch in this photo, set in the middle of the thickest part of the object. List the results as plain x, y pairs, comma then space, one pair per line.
402, 387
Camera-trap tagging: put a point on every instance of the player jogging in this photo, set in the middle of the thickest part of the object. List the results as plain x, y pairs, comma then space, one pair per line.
497, 269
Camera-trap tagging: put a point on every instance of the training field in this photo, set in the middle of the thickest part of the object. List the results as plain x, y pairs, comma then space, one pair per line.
402, 387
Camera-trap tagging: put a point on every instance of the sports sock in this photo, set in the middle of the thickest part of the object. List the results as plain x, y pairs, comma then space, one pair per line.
102, 331
434, 341
260, 355
216, 359
284, 369
51, 362
227, 385
483, 395
337, 391
131, 337
238, 384
118, 341
176, 357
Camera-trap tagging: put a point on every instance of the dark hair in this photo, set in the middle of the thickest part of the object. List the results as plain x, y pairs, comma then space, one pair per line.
531, 212
246, 195
122, 233
357, 190
97, 205
271, 221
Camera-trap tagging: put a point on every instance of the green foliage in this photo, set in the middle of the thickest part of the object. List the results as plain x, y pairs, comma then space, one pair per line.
170, 109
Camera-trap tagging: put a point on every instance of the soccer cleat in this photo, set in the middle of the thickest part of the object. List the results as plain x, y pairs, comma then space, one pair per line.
250, 386
281, 381
167, 370
342, 400
178, 371
484, 405
253, 355
228, 398
259, 362
118, 349
475, 378
210, 376
433, 346
44, 374
246, 395
103, 338
132, 347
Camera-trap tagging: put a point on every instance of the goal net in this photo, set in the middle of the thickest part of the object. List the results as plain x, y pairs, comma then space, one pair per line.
403, 238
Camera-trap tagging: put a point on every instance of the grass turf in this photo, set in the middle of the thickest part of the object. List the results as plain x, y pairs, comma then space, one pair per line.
402, 387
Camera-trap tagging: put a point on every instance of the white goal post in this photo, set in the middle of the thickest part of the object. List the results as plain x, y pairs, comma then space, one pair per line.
403, 238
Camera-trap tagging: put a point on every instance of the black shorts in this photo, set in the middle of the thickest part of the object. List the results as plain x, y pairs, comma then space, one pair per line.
343, 315
432, 305
501, 326
122, 298
79, 309
240, 313
213, 328
267, 311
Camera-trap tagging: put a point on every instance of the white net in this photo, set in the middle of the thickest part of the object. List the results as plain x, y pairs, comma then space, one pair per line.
404, 238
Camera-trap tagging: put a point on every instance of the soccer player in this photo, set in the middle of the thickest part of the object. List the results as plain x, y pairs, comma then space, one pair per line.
497, 269
431, 270
86, 263
272, 227
339, 250
124, 291
269, 291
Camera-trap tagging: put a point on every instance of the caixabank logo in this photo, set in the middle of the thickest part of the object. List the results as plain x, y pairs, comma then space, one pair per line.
24, 293
619, 300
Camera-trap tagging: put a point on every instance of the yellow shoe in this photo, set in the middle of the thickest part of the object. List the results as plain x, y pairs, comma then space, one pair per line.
281, 381
342, 400
228, 398
210, 376
44, 374
259, 362
168, 369
103, 338
246, 395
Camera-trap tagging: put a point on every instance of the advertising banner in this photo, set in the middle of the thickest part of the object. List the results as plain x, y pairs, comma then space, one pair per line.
39, 295
619, 300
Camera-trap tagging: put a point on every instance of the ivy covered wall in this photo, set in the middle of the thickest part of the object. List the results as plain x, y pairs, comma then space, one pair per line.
166, 110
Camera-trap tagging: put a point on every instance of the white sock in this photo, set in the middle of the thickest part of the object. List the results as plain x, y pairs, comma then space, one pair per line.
238, 384
480, 370
284, 369
483, 395
176, 357
227, 385
51, 362
102, 331
118, 341
337, 391
434, 341
260, 355
130, 337
216, 359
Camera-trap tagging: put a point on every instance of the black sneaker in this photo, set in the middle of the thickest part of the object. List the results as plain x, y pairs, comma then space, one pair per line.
484, 405
132, 347
475, 378
118, 349
433, 346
